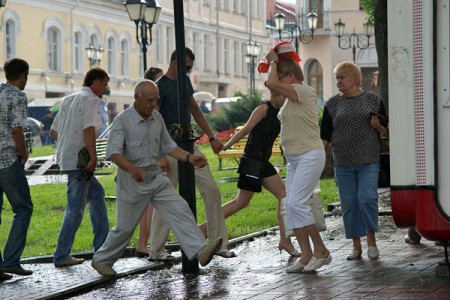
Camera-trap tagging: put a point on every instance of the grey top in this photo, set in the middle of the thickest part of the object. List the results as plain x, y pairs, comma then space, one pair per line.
141, 141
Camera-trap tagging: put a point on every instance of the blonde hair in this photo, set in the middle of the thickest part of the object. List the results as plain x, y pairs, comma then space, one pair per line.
350, 69
288, 67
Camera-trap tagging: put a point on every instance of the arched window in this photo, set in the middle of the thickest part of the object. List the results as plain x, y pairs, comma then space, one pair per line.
54, 49
10, 39
315, 78
78, 52
124, 67
111, 56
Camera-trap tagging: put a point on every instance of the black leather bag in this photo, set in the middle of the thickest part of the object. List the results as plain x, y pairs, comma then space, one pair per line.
384, 178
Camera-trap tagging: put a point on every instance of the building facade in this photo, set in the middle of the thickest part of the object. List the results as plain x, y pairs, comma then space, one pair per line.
53, 35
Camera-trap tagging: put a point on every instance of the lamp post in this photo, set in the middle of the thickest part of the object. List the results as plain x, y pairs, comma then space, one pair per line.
354, 41
94, 55
296, 32
2, 3
253, 49
144, 13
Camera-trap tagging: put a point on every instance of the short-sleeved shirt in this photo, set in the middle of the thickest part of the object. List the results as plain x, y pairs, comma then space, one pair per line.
13, 114
141, 141
168, 100
78, 111
300, 132
346, 124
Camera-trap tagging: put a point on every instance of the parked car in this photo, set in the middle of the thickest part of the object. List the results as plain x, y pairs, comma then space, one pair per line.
32, 134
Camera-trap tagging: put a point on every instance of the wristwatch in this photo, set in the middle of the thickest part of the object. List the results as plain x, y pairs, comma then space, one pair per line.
273, 62
212, 139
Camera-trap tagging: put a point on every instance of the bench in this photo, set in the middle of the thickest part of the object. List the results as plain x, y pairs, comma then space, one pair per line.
100, 146
236, 151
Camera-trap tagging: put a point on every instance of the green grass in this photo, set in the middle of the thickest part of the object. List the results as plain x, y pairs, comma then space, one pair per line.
50, 200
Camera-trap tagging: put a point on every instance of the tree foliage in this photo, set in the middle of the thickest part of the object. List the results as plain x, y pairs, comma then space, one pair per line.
236, 113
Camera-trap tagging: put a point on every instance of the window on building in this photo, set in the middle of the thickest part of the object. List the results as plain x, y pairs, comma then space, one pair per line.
78, 52
226, 56
169, 43
315, 78
195, 46
124, 52
236, 58
158, 44
53, 49
244, 5
317, 7
10, 39
206, 53
235, 6
244, 62
111, 56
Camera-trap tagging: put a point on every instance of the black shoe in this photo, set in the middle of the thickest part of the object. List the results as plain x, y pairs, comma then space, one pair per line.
5, 276
18, 271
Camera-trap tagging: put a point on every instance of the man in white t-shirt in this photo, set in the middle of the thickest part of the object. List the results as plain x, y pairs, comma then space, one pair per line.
74, 128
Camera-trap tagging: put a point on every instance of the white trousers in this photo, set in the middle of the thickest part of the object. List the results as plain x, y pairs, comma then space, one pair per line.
210, 193
303, 172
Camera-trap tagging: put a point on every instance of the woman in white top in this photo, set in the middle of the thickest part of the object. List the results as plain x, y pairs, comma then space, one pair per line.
303, 148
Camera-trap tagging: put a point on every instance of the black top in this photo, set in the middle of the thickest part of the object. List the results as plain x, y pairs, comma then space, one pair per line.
263, 135
346, 124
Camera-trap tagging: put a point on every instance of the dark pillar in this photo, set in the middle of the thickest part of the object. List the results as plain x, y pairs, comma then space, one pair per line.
186, 179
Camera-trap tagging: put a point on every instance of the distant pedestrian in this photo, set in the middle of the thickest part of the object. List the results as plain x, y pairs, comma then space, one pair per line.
46, 125
204, 108
137, 140
13, 156
75, 128
354, 133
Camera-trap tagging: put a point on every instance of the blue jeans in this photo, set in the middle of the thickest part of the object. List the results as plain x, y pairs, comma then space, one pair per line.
357, 185
81, 190
14, 184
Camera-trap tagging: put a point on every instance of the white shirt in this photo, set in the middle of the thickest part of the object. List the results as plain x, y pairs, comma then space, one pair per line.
78, 111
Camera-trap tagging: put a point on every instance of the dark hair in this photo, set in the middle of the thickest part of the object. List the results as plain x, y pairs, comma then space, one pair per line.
152, 72
15, 67
189, 54
93, 75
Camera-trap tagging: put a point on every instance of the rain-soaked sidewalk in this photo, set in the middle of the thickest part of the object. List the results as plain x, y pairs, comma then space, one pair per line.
403, 271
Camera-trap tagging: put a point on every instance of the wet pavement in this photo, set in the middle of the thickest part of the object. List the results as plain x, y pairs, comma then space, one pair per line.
403, 271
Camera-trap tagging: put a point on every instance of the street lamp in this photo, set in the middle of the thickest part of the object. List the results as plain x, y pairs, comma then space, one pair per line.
296, 33
353, 40
253, 49
144, 13
2, 3
94, 54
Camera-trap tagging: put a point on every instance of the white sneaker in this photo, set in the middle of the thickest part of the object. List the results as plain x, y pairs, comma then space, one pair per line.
208, 250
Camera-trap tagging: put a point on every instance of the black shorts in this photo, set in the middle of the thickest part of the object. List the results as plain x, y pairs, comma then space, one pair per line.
255, 184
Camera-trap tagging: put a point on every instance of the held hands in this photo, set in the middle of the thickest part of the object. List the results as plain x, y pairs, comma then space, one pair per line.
216, 146
198, 160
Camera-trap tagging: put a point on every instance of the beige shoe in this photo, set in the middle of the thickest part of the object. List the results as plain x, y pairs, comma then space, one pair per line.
208, 250
296, 268
354, 254
372, 252
103, 268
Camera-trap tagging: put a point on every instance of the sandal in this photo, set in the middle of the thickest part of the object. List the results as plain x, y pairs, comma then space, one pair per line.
163, 256
293, 253
226, 253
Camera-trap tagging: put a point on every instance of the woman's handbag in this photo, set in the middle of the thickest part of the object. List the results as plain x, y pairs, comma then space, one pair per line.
316, 209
